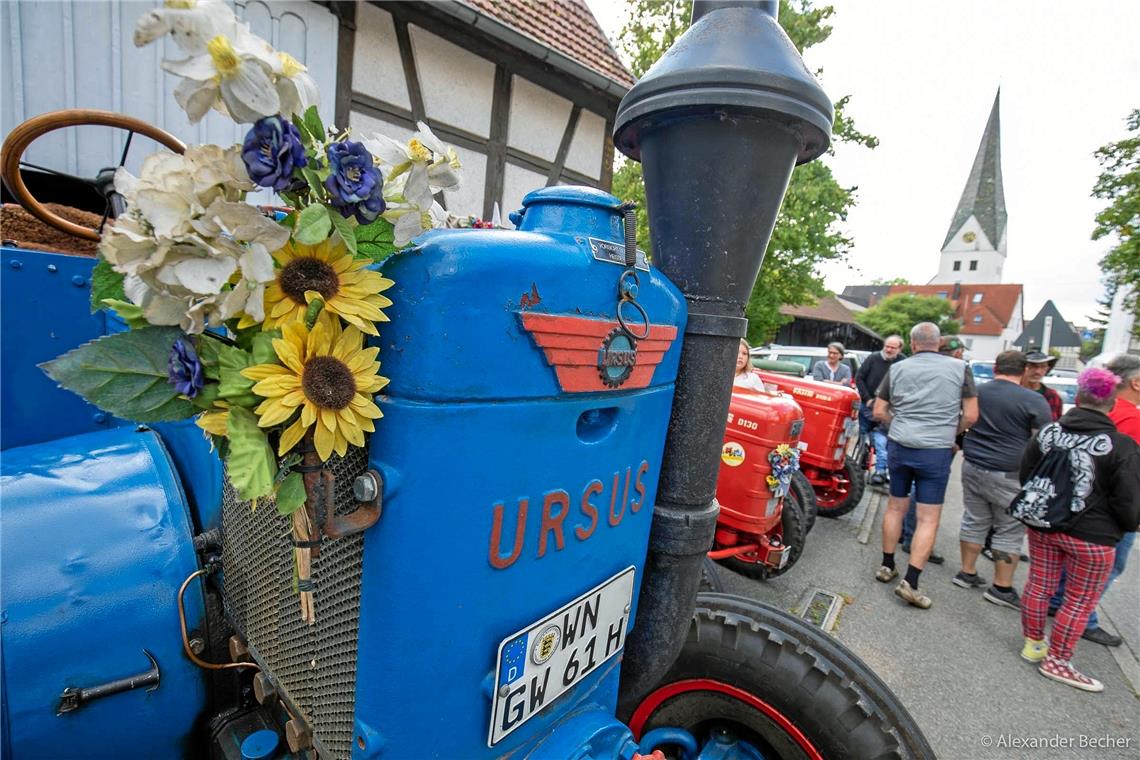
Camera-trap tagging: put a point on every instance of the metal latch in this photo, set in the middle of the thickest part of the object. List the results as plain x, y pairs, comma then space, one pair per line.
74, 697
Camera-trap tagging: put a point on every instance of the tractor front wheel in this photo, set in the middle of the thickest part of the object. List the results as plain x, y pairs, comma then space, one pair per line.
767, 679
792, 533
805, 494
840, 501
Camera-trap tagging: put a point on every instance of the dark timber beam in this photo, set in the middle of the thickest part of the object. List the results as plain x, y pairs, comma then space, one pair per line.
345, 47
606, 181
497, 144
411, 76
564, 147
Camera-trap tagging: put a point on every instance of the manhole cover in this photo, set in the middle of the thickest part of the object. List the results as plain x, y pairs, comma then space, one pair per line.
820, 607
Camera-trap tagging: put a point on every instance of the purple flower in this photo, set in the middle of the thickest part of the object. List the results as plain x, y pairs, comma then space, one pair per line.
184, 370
354, 184
271, 151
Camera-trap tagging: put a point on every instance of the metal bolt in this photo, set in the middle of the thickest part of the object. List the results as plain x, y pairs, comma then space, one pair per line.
99, 418
504, 690
365, 487
238, 649
197, 646
16, 264
263, 689
53, 268
629, 290
627, 608
78, 281
298, 736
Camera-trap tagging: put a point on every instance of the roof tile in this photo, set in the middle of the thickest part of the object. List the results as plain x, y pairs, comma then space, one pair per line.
995, 308
567, 26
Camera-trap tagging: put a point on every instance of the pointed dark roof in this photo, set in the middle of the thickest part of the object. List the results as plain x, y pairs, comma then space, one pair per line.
1060, 335
983, 196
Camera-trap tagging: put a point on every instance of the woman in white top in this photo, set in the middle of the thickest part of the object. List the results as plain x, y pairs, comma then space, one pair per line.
745, 378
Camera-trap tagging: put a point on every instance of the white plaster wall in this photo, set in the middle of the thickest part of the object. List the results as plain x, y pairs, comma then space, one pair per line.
585, 154
990, 261
985, 348
363, 125
468, 197
376, 66
457, 85
538, 119
517, 182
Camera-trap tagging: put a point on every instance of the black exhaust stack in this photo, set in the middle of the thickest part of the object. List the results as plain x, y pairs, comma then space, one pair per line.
718, 124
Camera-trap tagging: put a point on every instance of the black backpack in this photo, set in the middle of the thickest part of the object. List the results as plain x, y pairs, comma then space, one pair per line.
1054, 495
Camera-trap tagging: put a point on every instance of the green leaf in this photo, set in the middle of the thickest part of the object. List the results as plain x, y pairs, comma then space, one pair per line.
299, 123
125, 374
206, 397
128, 312
250, 464
344, 228
314, 181
374, 240
313, 224
313, 124
232, 386
106, 284
262, 347
291, 494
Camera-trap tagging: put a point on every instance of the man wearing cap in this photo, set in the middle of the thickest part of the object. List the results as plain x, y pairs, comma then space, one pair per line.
928, 400
1036, 367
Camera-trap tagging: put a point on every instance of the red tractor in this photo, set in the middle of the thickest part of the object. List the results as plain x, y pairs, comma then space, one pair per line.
831, 423
763, 520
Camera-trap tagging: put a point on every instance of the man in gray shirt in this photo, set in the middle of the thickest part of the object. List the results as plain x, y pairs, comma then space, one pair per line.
928, 400
1008, 416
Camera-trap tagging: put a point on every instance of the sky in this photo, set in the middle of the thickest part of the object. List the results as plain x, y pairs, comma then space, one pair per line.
922, 78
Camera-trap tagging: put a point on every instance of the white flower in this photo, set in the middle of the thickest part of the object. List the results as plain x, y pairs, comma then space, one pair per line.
295, 87
232, 73
409, 220
190, 23
418, 169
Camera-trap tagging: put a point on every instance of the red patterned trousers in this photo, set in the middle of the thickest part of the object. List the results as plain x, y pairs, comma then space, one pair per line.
1086, 569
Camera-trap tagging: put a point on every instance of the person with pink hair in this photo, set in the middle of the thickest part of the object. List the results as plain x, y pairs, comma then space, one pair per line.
1104, 471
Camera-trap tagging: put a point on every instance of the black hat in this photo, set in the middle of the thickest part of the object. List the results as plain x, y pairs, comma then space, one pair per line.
1037, 357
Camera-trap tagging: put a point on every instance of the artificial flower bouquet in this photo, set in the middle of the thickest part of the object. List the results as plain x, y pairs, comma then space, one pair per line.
784, 461
251, 324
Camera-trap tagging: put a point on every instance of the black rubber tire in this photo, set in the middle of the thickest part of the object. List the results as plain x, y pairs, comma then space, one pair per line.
842, 708
710, 576
793, 523
855, 488
806, 496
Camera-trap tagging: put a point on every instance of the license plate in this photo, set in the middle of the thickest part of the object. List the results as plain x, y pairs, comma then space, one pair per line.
784, 555
850, 427
544, 660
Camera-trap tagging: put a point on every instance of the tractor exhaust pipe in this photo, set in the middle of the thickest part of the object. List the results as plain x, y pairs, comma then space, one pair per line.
718, 124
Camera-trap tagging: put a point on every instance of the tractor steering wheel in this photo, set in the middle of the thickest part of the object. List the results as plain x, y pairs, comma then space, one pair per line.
25, 134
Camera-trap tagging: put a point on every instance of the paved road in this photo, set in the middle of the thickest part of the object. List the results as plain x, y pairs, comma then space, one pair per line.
956, 666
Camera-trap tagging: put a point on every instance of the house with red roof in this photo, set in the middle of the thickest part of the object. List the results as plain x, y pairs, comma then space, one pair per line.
991, 316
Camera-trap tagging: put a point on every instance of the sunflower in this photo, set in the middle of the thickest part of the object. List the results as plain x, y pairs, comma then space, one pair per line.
346, 286
329, 377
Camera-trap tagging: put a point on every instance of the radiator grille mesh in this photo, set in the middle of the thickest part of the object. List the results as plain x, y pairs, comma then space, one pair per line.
315, 666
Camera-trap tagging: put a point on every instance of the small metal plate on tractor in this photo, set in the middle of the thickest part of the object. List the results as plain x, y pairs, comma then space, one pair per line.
614, 253
544, 660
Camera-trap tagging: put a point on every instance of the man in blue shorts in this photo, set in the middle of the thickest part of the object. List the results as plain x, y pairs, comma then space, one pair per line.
928, 400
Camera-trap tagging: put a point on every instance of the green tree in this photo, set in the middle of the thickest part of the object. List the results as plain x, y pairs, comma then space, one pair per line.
1119, 184
807, 230
891, 281
898, 313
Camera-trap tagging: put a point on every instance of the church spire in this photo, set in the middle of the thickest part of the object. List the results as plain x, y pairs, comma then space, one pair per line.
982, 197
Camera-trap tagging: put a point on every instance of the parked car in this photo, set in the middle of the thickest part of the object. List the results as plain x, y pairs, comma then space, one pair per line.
1066, 386
807, 356
983, 371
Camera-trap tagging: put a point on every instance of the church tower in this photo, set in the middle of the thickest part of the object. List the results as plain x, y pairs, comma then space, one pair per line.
975, 247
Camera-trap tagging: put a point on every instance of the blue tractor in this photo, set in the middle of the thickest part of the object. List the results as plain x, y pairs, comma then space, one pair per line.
512, 566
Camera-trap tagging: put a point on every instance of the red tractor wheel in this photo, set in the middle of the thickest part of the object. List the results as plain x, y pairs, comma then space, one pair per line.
775, 684
805, 494
792, 532
843, 497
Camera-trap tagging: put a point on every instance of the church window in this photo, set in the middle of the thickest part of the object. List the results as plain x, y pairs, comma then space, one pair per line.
957, 266
974, 265
977, 298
